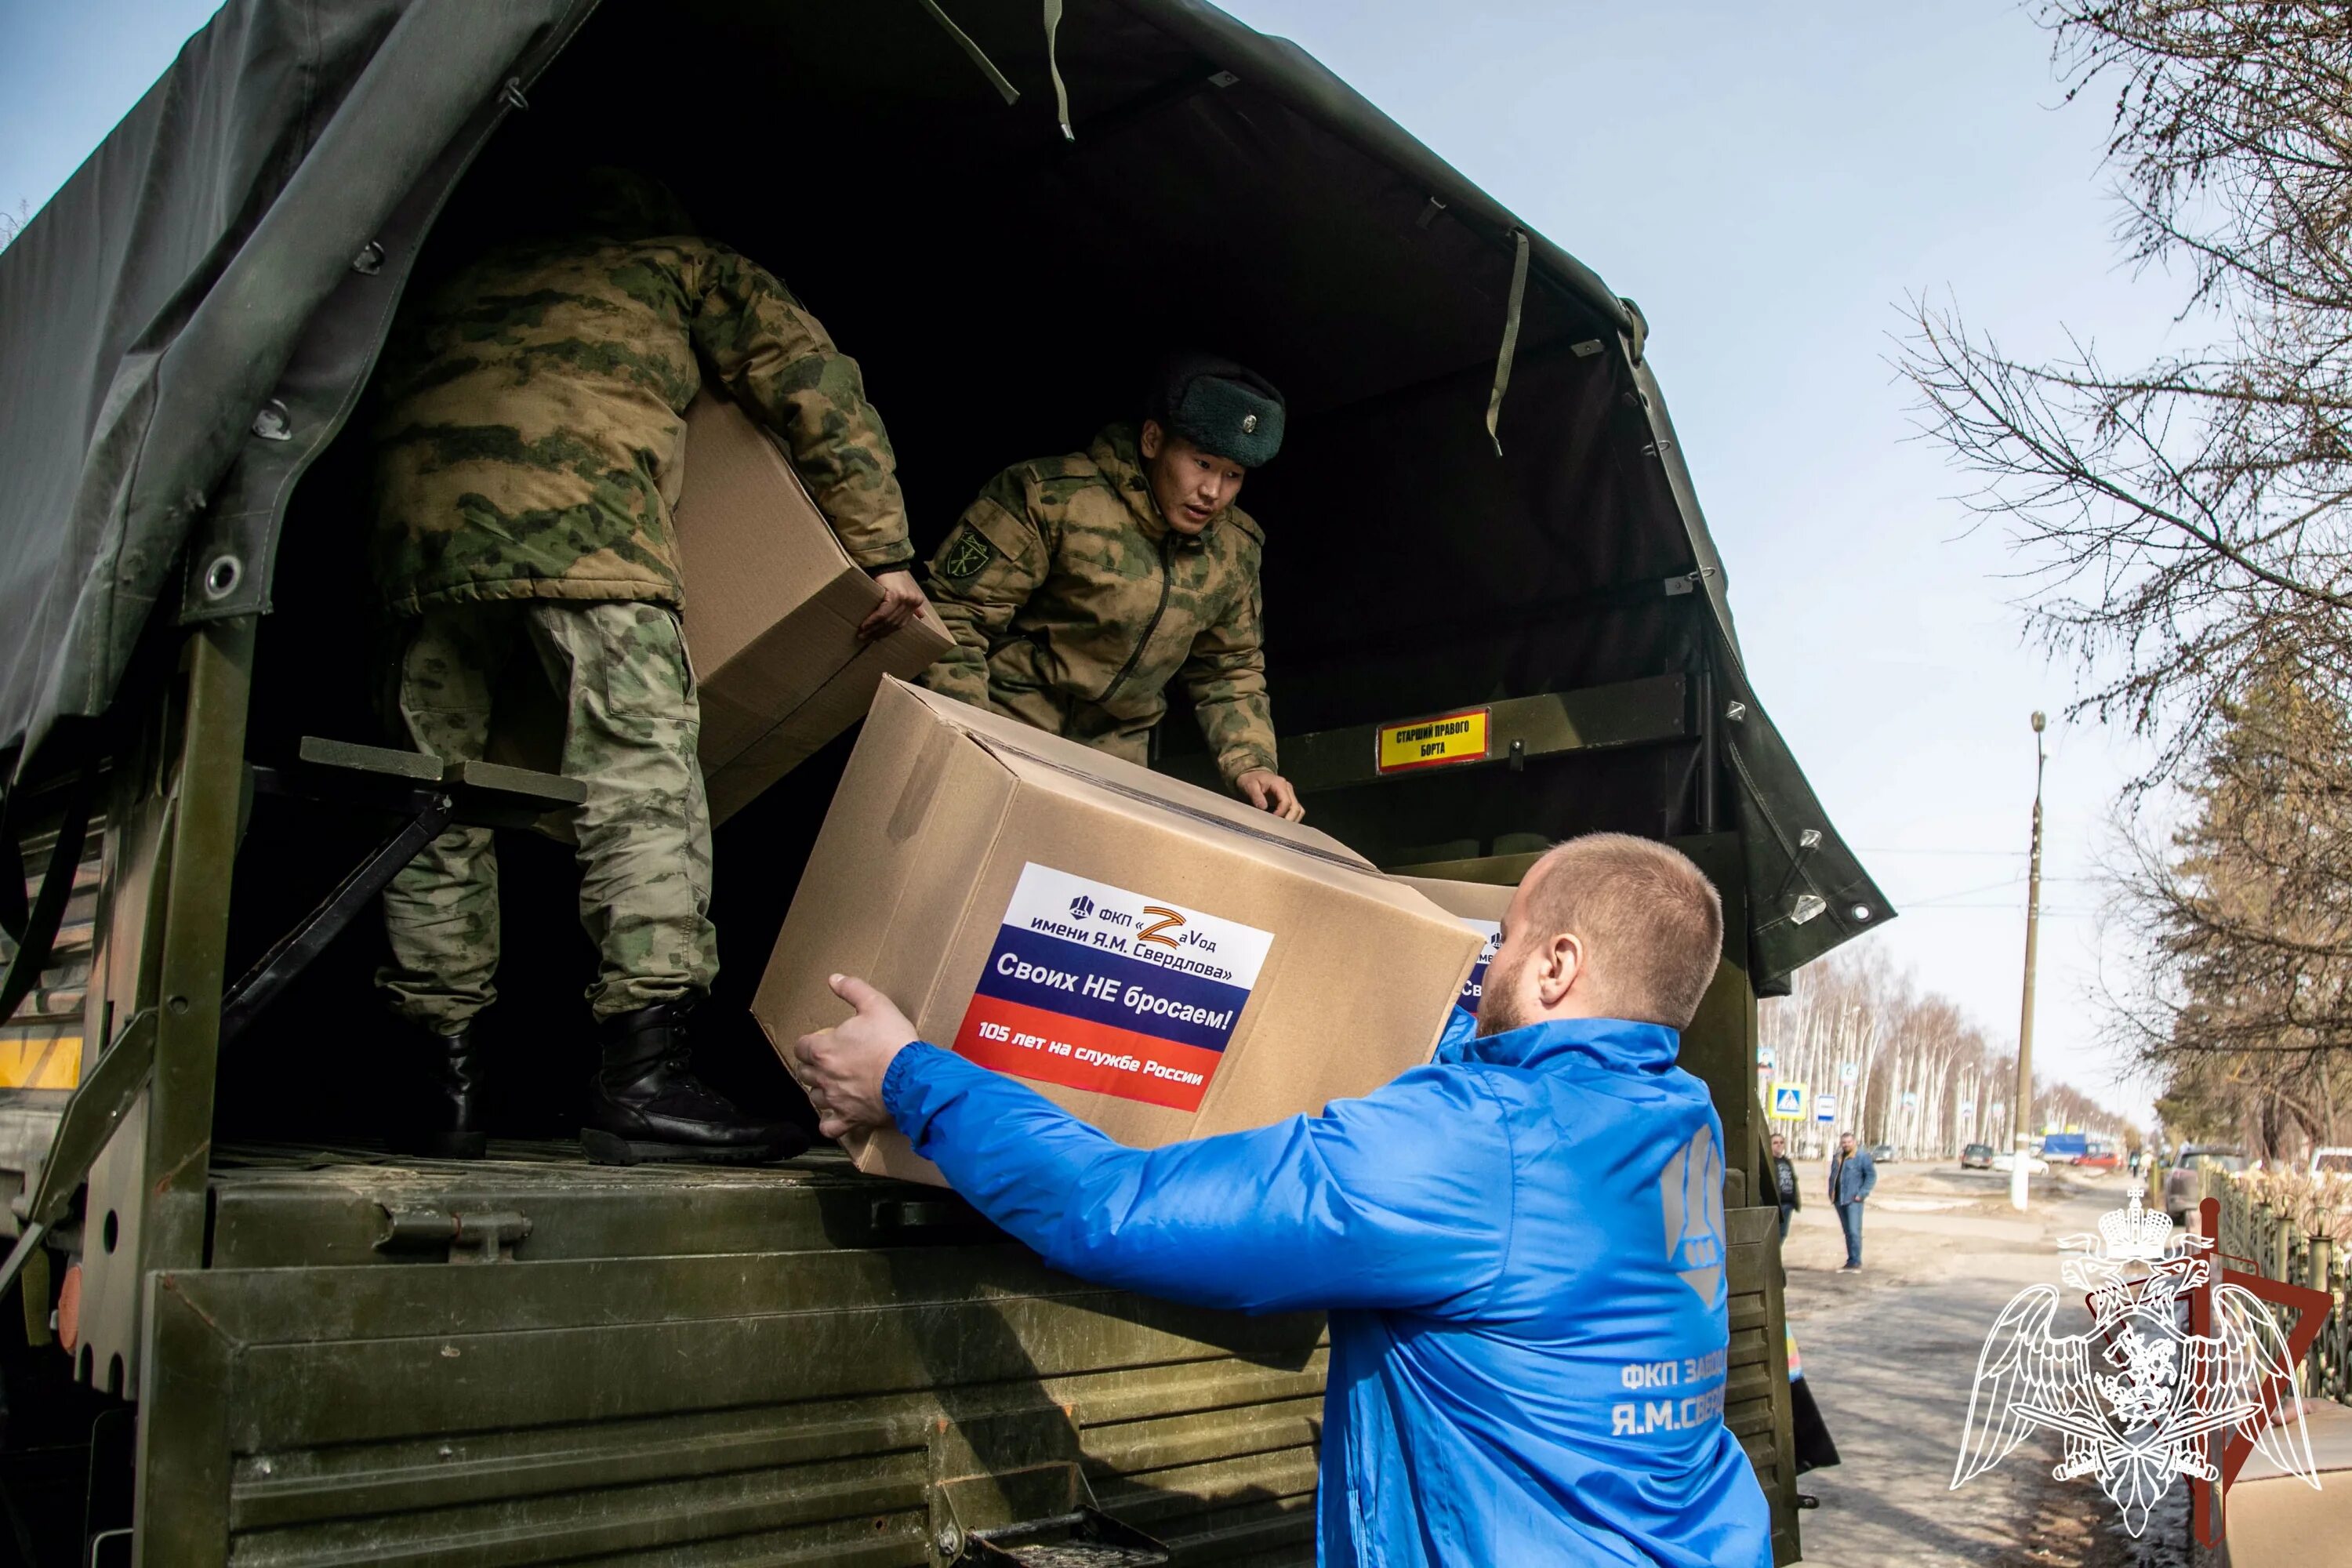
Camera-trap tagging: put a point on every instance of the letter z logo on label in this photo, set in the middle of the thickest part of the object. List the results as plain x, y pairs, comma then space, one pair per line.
1163, 920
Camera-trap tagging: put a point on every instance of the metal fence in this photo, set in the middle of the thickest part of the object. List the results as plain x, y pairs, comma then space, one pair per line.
2298, 1230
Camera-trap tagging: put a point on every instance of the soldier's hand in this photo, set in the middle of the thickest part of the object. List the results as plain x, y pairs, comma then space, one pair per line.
842, 1068
1269, 791
902, 600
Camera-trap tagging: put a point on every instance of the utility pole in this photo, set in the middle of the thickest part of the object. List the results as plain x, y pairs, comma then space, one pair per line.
2022, 1118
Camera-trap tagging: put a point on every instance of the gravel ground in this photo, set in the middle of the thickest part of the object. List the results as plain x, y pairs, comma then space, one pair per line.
1890, 1353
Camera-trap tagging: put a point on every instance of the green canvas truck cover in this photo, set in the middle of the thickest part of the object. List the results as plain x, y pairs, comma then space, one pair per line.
192, 319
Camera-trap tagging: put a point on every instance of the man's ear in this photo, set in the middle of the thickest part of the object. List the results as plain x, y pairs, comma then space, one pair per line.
1152, 438
1563, 966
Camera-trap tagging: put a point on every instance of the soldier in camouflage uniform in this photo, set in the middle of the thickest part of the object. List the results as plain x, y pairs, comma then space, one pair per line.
1077, 587
527, 460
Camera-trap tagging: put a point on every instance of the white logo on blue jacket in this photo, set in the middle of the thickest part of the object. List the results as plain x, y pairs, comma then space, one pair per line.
1691, 1192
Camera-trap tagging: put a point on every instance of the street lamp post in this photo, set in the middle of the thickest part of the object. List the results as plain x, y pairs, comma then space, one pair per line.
2022, 1118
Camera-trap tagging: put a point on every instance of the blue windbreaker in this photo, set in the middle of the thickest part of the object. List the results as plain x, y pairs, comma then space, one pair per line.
1521, 1247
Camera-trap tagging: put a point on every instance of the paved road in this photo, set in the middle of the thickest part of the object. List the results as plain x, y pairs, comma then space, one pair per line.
1890, 1353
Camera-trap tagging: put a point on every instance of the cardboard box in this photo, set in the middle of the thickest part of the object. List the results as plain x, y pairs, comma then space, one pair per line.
773, 607
1479, 906
1164, 962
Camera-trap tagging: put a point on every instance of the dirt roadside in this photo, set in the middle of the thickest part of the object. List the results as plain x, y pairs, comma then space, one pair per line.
1890, 1354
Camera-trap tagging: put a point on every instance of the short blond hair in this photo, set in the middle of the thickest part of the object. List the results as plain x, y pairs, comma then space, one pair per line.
1651, 922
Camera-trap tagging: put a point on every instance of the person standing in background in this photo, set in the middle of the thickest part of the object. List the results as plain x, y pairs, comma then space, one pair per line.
1784, 1181
1853, 1175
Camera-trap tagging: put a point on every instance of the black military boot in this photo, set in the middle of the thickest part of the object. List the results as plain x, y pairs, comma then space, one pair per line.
448, 1119
644, 1104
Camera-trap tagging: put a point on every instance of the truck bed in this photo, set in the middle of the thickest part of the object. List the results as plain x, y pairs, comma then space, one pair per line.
689, 1365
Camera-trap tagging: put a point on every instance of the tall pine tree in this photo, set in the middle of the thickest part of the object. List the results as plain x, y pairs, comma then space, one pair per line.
2248, 911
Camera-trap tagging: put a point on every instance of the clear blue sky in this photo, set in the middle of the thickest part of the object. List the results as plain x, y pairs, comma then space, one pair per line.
1770, 183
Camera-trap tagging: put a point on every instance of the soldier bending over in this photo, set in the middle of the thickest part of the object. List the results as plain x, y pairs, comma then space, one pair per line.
527, 460
1077, 587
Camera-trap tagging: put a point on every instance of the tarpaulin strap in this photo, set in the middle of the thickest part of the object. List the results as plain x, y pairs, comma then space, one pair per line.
1010, 93
1053, 68
1640, 329
1510, 337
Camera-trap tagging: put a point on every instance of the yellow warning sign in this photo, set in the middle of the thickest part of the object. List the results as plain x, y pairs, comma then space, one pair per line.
1433, 742
50, 1061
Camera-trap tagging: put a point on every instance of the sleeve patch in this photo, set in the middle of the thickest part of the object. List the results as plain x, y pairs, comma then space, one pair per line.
966, 555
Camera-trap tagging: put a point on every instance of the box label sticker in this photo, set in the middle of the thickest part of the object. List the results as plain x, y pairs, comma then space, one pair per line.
1434, 742
1096, 987
1475, 986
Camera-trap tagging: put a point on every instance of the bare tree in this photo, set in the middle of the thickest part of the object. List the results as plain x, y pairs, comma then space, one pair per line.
2190, 518
12, 223
1924, 1079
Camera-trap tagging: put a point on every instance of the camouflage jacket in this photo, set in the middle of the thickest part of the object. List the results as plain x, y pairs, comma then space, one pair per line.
533, 420
1074, 604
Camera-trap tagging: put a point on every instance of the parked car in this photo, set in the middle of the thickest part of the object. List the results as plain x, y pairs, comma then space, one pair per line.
2036, 1165
2098, 1160
2331, 1161
2184, 1183
1977, 1157
1884, 1154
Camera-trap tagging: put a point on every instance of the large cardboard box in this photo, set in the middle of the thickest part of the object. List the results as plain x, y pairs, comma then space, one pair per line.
1480, 906
773, 607
1164, 962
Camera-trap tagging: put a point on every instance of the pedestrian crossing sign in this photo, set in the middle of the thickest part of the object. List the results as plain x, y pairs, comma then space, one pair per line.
1789, 1102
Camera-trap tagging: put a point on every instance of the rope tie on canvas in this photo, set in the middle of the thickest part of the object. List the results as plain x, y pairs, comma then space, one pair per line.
1510, 337
1005, 89
1053, 68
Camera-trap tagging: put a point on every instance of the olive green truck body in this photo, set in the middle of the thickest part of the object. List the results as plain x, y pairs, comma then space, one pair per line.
249, 1335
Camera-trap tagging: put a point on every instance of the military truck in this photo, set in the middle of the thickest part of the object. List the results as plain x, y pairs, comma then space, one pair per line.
249, 1334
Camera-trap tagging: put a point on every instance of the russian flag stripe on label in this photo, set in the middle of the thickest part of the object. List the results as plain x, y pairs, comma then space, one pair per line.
1099, 988
1031, 1042
1083, 982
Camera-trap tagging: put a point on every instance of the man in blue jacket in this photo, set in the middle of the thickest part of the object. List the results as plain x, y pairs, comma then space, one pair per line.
1853, 1175
1521, 1246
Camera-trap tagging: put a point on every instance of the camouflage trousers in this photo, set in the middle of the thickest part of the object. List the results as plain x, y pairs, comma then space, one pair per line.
629, 723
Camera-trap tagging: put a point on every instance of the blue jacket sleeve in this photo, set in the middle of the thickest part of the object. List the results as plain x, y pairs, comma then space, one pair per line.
1399, 1199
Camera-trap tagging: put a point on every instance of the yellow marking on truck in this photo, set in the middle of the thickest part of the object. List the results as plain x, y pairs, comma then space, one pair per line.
50, 1061
1433, 742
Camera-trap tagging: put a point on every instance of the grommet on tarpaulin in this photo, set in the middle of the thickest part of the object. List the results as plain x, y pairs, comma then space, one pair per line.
273, 423
222, 577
